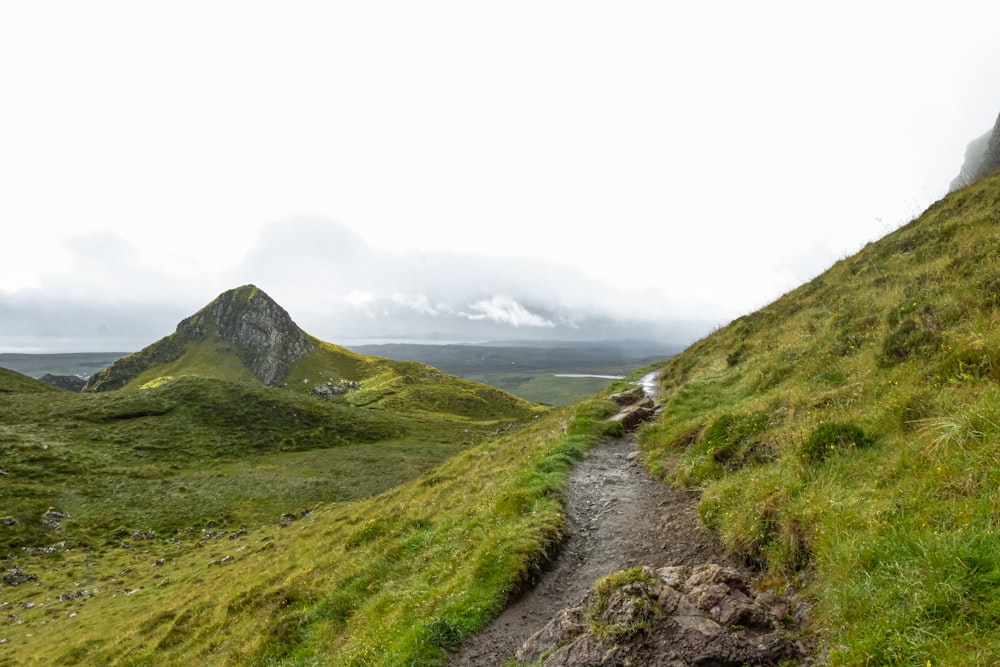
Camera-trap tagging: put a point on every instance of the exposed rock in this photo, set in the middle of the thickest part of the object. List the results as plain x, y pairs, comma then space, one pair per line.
982, 156
67, 382
328, 391
672, 617
628, 397
634, 415
40, 551
288, 517
16, 576
53, 518
8, 521
263, 335
75, 595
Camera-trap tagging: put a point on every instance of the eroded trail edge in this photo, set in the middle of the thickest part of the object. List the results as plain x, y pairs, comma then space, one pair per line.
617, 516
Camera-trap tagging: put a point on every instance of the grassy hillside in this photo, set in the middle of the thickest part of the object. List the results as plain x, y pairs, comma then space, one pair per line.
848, 435
395, 579
186, 511
185, 449
12, 382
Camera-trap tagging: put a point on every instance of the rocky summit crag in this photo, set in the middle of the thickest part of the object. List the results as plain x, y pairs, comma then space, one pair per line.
261, 333
982, 157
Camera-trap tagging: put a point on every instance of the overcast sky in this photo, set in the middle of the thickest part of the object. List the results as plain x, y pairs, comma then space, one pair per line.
465, 169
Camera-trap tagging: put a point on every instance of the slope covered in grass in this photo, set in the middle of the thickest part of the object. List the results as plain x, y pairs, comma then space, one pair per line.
190, 449
396, 579
849, 433
238, 416
242, 493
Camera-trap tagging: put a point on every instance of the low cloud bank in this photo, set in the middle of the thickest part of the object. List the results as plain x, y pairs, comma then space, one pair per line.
337, 288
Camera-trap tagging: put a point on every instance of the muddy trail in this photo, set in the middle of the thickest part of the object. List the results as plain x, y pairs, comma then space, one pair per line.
617, 516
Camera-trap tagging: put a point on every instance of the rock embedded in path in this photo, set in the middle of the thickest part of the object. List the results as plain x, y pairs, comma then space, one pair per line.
632, 416
676, 616
629, 396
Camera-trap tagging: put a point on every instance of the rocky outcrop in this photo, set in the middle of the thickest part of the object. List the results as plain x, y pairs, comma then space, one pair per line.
263, 335
54, 519
636, 408
982, 157
330, 389
266, 338
16, 576
67, 382
672, 617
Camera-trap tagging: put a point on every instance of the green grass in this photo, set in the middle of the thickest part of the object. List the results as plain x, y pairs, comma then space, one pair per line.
398, 578
197, 516
545, 388
190, 448
846, 439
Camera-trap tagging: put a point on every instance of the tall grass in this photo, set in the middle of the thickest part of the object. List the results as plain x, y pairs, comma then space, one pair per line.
846, 439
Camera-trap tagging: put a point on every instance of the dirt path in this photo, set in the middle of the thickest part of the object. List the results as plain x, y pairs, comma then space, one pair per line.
618, 516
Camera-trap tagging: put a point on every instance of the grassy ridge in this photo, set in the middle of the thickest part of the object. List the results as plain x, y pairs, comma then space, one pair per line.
849, 433
391, 580
188, 449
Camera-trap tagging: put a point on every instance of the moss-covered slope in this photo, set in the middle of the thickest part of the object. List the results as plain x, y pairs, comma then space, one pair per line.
849, 433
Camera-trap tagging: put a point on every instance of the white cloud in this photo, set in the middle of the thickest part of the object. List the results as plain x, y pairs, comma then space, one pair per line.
505, 310
417, 302
362, 300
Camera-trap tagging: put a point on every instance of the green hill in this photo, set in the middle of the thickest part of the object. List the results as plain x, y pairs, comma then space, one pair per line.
238, 417
396, 578
242, 479
14, 382
847, 439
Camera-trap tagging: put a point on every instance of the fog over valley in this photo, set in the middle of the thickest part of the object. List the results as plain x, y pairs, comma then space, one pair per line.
341, 290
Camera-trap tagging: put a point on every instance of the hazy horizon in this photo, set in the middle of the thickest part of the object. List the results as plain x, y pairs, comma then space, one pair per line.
554, 170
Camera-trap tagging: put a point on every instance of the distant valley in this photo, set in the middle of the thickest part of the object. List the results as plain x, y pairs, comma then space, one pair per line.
554, 373
560, 373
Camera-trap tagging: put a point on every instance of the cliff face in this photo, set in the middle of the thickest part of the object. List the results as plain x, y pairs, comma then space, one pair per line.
982, 156
266, 339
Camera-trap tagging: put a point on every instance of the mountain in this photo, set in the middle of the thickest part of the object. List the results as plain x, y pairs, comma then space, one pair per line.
845, 439
245, 321
982, 156
176, 432
245, 336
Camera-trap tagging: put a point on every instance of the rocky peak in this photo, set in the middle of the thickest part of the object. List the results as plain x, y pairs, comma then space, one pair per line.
267, 339
982, 156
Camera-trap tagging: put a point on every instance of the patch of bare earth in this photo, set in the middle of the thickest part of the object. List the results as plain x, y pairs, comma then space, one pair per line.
617, 516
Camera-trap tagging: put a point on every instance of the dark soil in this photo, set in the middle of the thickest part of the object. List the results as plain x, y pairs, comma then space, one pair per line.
618, 516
